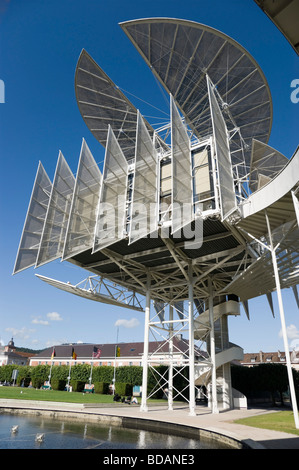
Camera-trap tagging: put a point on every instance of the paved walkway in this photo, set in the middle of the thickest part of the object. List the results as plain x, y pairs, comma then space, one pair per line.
221, 423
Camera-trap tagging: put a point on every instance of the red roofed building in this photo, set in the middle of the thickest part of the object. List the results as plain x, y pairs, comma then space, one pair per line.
278, 357
130, 354
9, 355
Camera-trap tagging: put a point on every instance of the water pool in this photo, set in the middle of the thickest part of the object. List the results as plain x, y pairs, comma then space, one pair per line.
68, 434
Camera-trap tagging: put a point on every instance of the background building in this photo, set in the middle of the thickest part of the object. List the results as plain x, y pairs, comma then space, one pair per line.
277, 357
8, 355
184, 222
123, 354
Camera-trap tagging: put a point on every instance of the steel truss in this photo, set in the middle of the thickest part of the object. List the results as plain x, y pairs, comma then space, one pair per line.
284, 267
219, 167
165, 322
101, 290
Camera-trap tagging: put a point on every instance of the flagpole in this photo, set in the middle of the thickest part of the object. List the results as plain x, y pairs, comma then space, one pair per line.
52, 357
72, 358
115, 361
91, 365
69, 376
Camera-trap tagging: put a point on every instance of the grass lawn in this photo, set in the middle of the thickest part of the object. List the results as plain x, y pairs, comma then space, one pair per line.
22, 393
278, 421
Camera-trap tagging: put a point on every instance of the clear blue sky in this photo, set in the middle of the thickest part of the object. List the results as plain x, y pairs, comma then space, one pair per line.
40, 42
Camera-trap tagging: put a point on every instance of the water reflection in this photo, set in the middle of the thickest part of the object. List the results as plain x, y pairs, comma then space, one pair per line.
64, 434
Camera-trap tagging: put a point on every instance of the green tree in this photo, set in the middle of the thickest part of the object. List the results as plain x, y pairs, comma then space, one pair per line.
102, 374
39, 375
129, 374
24, 376
6, 372
80, 372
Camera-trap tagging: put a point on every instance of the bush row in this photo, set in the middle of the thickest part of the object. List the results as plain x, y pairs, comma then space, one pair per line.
102, 376
81, 372
271, 378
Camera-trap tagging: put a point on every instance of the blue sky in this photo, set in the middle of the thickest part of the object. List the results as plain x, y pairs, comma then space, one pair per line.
40, 42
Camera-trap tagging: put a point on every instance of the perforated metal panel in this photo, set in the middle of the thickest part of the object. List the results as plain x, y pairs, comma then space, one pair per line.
53, 236
266, 162
182, 191
102, 103
160, 309
34, 222
180, 53
179, 309
296, 206
228, 200
144, 210
82, 220
111, 214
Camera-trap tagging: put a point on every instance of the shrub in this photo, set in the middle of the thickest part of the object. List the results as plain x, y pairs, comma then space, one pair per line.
37, 382
24, 375
60, 372
102, 374
6, 372
101, 387
157, 376
58, 384
123, 389
78, 385
129, 374
80, 372
39, 375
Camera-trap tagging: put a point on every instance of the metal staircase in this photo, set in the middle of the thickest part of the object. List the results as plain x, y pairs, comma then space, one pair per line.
226, 352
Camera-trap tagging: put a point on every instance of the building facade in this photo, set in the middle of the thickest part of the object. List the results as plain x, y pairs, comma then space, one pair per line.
278, 357
8, 355
122, 354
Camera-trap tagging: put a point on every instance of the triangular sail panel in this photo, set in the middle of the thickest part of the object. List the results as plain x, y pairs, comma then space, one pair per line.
81, 225
182, 191
228, 200
143, 217
246, 308
101, 103
160, 309
295, 292
111, 214
34, 222
53, 237
266, 162
270, 301
179, 309
296, 206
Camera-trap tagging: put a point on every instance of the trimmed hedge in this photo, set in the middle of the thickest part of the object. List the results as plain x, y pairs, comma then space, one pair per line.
256, 381
101, 387
123, 389
58, 384
77, 385
39, 375
102, 374
37, 382
23, 381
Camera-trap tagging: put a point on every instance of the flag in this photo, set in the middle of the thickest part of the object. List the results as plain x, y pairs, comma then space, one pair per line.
53, 354
96, 352
74, 355
117, 351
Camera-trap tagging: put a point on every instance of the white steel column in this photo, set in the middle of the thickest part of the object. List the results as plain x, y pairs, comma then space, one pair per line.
143, 406
283, 327
191, 345
170, 371
214, 405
